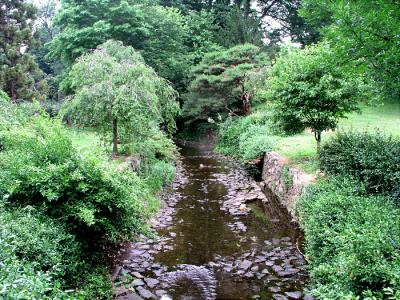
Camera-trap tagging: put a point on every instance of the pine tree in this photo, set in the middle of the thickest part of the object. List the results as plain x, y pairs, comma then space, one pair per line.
19, 73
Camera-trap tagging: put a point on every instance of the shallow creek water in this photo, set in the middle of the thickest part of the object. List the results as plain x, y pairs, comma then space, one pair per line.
217, 237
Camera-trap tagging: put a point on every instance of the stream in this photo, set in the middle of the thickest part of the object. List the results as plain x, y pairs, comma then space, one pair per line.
217, 237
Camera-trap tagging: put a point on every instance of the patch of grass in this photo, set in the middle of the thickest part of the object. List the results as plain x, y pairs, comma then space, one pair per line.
385, 117
301, 148
85, 140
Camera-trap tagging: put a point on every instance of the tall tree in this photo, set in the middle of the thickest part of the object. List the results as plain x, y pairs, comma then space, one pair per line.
186, 6
285, 14
46, 31
119, 94
234, 22
20, 76
202, 35
364, 34
238, 26
218, 84
158, 32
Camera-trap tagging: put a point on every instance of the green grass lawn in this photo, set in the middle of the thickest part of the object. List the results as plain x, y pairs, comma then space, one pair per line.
301, 148
85, 140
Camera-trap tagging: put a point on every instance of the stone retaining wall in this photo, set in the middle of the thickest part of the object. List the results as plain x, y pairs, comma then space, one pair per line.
286, 183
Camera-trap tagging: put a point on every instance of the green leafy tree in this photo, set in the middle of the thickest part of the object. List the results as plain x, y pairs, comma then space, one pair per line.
364, 34
118, 93
46, 31
158, 32
187, 6
238, 27
232, 22
201, 35
310, 89
219, 82
292, 24
20, 76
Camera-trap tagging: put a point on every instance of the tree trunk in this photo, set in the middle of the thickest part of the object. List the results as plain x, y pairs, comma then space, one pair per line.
114, 137
13, 93
246, 100
317, 135
246, 108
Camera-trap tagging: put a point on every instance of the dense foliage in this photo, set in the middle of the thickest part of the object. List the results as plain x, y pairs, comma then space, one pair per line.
40, 167
20, 76
310, 90
120, 95
352, 241
218, 84
374, 159
157, 31
75, 205
364, 34
33, 262
245, 138
258, 18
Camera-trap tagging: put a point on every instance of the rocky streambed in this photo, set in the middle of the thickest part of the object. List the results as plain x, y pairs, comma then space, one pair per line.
217, 237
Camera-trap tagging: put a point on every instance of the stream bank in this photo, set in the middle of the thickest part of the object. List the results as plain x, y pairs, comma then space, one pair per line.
209, 244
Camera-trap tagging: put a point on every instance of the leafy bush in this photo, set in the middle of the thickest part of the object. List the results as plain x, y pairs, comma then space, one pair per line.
156, 147
40, 259
11, 114
159, 174
40, 167
254, 142
32, 260
245, 138
67, 207
52, 107
352, 241
157, 155
372, 158
84, 202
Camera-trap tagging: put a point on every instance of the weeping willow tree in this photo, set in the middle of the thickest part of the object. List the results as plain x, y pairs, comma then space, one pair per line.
119, 94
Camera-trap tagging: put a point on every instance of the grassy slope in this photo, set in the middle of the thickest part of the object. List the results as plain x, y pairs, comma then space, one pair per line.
85, 140
88, 142
301, 148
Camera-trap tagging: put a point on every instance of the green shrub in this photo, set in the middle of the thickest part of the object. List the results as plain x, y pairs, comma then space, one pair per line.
35, 253
12, 114
51, 107
41, 260
157, 155
84, 202
373, 158
155, 147
159, 174
40, 167
352, 240
254, 142
245, 138
59, 209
